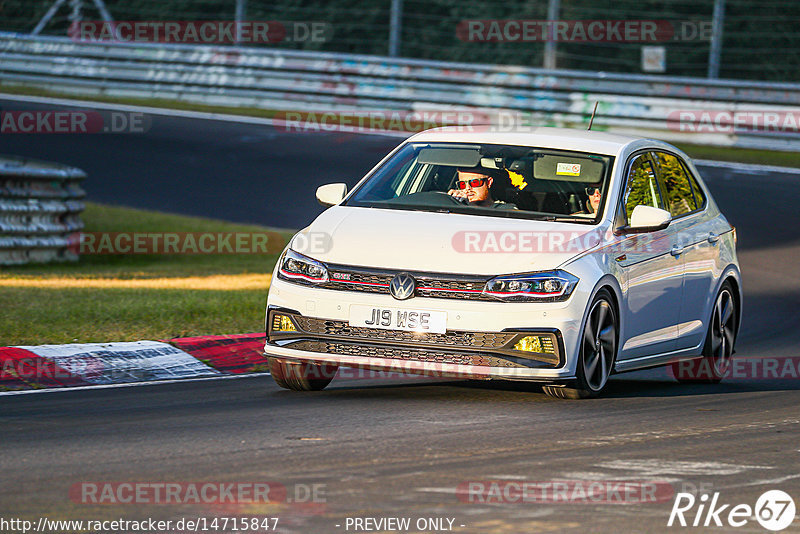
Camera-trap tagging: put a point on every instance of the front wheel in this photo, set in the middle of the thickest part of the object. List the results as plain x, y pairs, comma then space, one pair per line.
301, 376
597, 352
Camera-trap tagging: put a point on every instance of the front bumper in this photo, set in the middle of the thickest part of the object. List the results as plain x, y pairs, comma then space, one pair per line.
478, 342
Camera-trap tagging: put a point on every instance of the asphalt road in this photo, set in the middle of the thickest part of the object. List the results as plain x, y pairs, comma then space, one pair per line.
234, 171
401, 448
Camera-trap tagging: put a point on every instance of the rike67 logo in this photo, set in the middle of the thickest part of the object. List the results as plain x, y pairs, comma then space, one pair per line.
774, 510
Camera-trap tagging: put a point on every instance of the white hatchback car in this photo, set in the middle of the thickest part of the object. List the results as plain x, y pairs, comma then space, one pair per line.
555, 256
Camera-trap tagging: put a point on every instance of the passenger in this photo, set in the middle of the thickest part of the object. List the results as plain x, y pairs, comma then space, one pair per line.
593, 192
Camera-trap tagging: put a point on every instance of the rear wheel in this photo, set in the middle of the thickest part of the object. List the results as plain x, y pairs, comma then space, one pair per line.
597, 353
718, 348
301, 376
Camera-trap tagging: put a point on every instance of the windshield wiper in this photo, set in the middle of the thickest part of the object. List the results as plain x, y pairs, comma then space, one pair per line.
553, 218
581, 220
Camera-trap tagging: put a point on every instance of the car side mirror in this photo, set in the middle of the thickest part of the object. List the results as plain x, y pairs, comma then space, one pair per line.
331, 194
647, 219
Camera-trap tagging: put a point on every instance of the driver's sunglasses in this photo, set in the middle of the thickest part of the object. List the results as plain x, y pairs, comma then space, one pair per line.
591, 190
476, 182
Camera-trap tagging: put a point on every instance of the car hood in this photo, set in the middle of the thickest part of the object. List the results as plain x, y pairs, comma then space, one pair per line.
441, 242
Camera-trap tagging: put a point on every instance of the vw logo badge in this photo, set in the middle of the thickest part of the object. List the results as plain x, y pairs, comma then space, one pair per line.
403, 286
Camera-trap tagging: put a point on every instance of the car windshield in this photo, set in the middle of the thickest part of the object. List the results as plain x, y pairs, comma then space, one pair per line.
487, 179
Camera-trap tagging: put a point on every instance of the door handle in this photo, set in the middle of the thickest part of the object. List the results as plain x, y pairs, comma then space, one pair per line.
676, 250
712, 237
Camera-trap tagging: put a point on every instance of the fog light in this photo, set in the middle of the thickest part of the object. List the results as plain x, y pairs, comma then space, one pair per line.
543, 344
282, 323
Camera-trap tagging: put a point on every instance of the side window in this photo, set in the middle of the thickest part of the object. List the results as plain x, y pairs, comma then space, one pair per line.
642, 188
699, 197
680, 199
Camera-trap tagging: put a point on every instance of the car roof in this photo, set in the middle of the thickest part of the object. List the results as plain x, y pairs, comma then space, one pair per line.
544, 137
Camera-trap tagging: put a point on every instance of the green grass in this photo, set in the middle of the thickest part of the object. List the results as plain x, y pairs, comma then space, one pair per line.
39, 315
741, 155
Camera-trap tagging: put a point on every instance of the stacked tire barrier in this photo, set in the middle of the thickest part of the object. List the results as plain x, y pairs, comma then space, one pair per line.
40, 206
275, 79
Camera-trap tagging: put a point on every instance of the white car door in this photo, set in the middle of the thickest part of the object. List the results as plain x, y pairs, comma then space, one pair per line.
653, 275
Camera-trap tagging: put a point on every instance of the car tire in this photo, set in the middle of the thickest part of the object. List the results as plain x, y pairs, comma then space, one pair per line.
301, 376
718, 346
597, 352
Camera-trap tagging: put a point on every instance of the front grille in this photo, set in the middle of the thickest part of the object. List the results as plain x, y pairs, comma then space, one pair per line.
453, 338
362, 278
433, 285
355, 281
400, 353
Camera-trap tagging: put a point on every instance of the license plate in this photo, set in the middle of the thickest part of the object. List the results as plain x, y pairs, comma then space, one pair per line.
398, 319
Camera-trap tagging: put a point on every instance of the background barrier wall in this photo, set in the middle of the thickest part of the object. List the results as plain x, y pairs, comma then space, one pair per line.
297, 80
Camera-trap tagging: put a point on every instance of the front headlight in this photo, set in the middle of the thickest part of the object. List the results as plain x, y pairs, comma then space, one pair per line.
531, 287
298, 268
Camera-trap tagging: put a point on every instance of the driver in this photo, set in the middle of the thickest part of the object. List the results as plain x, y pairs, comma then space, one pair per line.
474, 185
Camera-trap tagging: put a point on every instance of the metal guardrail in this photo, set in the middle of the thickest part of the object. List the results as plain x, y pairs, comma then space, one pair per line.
39, 211
284, 79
